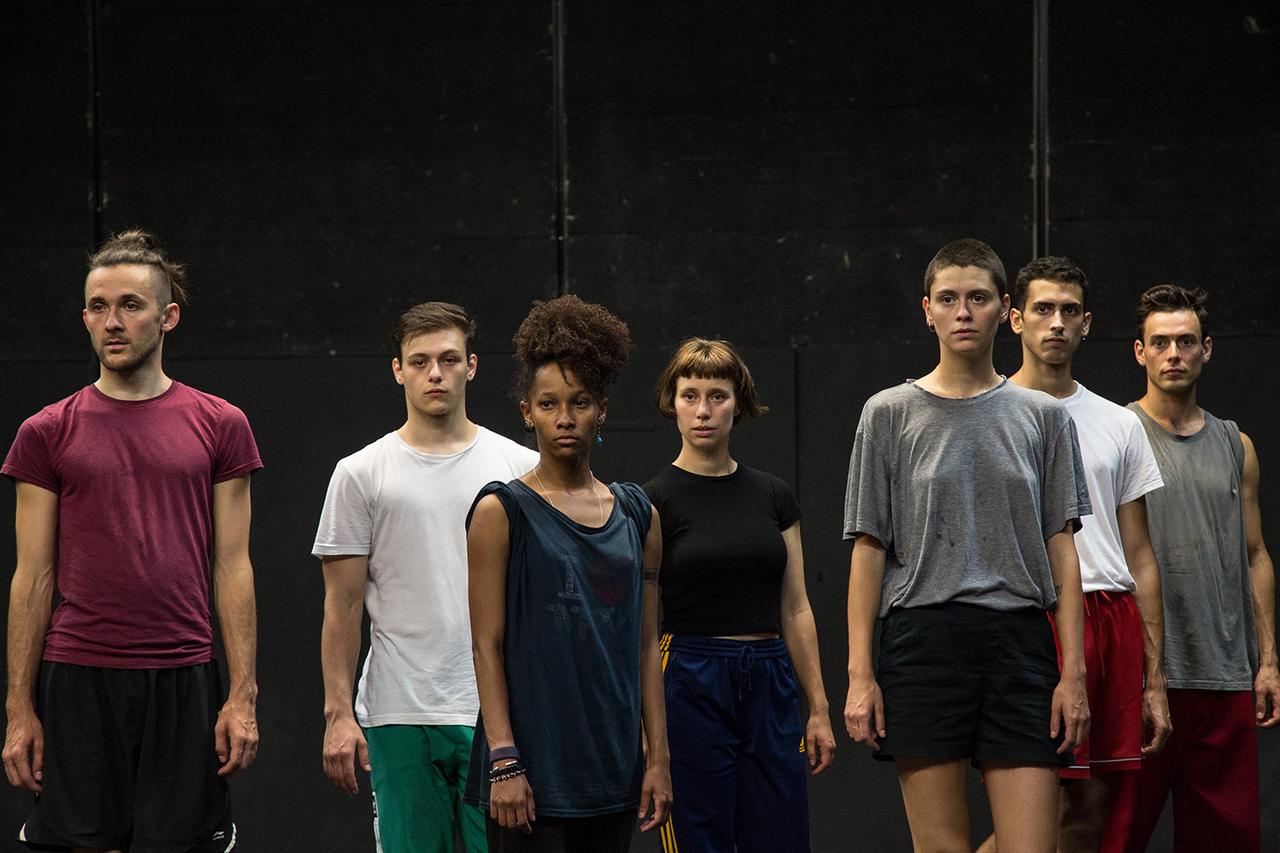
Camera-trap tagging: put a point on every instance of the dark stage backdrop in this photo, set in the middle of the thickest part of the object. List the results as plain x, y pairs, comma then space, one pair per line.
774, 174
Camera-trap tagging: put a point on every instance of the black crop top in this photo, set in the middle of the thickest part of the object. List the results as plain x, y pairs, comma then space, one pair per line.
723, 556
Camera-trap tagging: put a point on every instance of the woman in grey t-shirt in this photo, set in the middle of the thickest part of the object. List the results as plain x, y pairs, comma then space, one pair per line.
964, 492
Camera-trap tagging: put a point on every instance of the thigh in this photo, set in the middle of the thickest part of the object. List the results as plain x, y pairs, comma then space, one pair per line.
1215, 796
92, 720
469, 818
773, 775
704, 753
182, 804
413, 803
1115, 697
1024, 807
1020, 674
933, 794
607, 833
547, 835
1138, 798
928, 671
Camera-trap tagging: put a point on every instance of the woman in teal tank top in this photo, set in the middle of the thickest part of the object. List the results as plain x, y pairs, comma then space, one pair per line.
571, 743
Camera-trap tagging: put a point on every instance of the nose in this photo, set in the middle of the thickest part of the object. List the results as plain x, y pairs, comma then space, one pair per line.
564, 417
113, 319
1057, 323
433, 373
704, 409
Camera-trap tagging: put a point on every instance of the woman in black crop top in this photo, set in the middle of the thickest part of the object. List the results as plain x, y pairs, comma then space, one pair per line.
736, 618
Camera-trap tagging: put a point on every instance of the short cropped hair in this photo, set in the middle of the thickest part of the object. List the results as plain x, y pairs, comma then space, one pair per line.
579, 336
1165, 298
967, 253
700, 358
429, 317
139, 247
1051, 268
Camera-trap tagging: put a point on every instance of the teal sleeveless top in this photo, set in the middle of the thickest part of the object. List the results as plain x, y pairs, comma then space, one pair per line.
572, 653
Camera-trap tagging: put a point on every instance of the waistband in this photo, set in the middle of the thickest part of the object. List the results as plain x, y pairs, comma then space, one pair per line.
717, 647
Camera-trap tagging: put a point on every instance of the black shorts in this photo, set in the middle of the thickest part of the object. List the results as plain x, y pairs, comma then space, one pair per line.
129, 761
962, 681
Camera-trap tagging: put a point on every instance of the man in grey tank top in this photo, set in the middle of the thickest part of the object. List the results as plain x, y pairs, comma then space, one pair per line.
1219, 599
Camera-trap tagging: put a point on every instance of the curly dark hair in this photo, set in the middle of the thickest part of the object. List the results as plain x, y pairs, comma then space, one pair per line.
580, 336
1169, 298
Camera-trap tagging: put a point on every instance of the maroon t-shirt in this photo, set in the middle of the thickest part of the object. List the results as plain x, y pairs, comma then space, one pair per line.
134, 480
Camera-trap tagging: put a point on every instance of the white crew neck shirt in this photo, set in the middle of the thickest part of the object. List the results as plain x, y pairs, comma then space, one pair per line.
407, 511
1119, 467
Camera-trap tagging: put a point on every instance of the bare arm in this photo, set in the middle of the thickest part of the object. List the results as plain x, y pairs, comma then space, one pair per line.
801, 635
344, 742
864, 707
1141, 558
236, 732
1266, 686
1070, 710
30, 608
488, 548
656, 789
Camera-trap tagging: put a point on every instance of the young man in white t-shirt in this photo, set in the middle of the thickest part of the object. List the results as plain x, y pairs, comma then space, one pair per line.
392, 536
1124, 618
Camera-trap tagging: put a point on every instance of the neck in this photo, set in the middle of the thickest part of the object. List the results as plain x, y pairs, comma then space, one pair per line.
706, 461
444, 433
564, 475
142, 383
1039, 375
1173, 411
964, 375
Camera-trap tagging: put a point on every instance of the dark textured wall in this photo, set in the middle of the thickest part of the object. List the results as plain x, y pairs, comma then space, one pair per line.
773, 174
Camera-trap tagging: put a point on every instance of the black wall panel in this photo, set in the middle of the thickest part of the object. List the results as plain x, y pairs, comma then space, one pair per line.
759, 173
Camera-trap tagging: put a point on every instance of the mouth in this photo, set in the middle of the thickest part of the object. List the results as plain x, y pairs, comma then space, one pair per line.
115, 345
566, 440
703, 431
1055, 340
436, 392
965, 333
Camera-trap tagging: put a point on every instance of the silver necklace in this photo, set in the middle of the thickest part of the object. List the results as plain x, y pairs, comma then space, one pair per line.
547, 493
951, 395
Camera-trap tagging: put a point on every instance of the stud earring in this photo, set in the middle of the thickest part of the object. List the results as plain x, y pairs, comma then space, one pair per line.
528, 426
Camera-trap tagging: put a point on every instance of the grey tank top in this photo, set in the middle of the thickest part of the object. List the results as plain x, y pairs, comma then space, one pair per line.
1197, 529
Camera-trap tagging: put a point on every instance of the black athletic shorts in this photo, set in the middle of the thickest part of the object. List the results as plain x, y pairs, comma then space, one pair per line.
962, 681
129, 761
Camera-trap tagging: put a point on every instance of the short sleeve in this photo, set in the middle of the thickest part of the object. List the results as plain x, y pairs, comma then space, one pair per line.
503, 493
29, 459
636, 504
346, 522
785, 506
237, 452
1064, 491
868, 494
1141, 472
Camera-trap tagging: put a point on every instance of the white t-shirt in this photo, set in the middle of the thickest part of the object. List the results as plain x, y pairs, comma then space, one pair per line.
407, 511
1119, 467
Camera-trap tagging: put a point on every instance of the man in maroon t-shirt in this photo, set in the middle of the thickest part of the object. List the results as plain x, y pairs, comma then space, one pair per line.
133, 498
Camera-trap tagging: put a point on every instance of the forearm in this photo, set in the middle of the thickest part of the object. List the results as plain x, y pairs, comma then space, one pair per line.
801, 636
1150, 601
30, 609
653, 709
1069, 611
1263, 580
339, 654
236, 605
866, 575
491, 684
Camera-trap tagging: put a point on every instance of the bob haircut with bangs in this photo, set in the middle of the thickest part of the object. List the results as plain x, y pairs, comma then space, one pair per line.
699, 358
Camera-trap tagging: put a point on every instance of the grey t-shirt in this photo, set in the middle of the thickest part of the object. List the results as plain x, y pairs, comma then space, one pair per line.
964, 493
1197, 531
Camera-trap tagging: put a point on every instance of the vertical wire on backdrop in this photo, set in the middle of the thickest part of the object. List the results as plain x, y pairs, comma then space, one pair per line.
93, 11
1040, 130
560, 147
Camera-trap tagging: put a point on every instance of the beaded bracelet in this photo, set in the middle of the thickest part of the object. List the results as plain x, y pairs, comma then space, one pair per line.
510, 770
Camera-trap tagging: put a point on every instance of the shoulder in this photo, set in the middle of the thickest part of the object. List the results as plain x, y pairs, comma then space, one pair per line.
661, 484
364, 460
207, 405
493, 504
635, 502
498, 444
763, 480
1045, 408
1100, 410
891, 398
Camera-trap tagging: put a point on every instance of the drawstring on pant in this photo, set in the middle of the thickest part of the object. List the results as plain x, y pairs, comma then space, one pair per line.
746, 660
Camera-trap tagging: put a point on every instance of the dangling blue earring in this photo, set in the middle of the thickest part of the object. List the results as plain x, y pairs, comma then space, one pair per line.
599, 437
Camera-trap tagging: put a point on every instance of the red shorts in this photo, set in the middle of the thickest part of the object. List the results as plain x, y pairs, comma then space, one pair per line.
1113, 657
1210, 764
